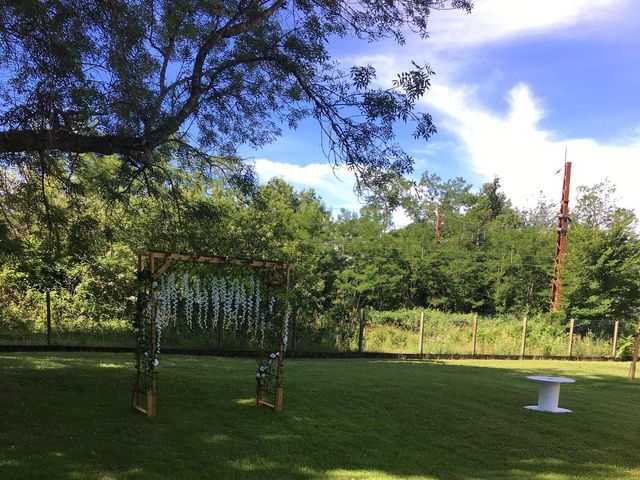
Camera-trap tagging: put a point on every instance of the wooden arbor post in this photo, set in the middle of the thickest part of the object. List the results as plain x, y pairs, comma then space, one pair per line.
151, 272
284, 334
147, 330
283, 339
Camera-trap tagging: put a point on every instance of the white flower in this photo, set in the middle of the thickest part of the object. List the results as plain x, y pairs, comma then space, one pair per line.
273, 355
156, 362
257, 375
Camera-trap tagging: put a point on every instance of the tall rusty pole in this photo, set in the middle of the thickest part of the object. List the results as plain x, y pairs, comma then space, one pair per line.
563, 224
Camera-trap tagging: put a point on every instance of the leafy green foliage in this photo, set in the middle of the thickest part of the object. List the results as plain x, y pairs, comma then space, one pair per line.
624, 350
601, 281
76, 235
132, 78
602, 262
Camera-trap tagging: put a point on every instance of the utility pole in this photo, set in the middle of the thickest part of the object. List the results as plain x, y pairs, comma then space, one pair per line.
563, 224
438, 226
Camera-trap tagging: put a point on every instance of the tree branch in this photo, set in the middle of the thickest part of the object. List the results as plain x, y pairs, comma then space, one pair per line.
195, 92
13, 141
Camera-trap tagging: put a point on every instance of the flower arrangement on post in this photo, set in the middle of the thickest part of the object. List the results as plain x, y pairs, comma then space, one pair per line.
264, 374
144, 340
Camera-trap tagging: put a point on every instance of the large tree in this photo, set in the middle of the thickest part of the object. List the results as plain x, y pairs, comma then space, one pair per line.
127, 77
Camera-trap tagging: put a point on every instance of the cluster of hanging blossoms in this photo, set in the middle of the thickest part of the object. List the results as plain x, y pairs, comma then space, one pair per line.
207, 303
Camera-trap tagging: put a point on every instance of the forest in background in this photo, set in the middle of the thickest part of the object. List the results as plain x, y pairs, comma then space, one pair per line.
72, 226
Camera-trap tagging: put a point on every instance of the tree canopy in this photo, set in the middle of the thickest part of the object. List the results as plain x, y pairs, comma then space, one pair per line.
129, 77
72, 237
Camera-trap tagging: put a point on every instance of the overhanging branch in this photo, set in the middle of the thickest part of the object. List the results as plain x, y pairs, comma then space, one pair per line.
14, 141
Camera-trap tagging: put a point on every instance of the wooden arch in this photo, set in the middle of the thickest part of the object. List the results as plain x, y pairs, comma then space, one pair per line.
154, 264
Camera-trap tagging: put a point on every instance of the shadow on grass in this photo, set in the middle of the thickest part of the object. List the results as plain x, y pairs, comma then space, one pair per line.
68, 416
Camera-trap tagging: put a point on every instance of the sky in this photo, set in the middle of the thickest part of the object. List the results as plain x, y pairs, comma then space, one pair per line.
517, 84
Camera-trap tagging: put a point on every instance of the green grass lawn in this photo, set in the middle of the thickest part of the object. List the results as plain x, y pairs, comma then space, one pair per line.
68, 416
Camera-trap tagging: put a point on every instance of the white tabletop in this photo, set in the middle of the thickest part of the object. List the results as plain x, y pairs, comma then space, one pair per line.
542, 378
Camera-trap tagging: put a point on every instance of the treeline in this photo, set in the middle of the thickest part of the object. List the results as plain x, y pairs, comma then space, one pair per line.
72, 228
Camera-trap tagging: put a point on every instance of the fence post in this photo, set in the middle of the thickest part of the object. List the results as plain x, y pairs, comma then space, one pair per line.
475, 334
523, 344
48, 296
570, 352
361, 331
615, 339
421, 331
634, 361
294, 331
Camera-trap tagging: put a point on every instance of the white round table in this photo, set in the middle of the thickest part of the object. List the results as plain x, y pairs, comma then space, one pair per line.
549, 394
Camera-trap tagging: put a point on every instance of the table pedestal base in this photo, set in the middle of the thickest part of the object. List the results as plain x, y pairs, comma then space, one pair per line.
548, 397
556, 410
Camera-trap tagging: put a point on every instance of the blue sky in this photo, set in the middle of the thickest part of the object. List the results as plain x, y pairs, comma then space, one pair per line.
517, 82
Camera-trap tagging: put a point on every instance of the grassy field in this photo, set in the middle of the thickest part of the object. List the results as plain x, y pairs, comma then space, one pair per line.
65, 416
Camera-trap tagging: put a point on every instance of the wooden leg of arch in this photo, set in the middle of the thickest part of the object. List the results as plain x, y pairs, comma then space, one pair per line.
136, 402
277, 404
140, 387
136, 397
151, 404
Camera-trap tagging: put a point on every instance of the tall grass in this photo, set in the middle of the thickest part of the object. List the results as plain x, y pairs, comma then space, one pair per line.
398, 332
390, 331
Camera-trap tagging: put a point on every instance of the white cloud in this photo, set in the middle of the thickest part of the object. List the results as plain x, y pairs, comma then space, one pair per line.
494, 20
334, 185
514, 147
511, 145
400, 218
456, 38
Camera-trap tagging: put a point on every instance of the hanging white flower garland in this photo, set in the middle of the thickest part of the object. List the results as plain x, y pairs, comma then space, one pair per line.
249, 307
169, 294
215, 301
188, 300
198, 300
230, 303
162, 313
235, 296
227, 302
256, 308
285, 336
